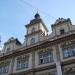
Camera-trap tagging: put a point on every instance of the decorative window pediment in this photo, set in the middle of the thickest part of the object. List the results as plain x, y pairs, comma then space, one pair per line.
66, 44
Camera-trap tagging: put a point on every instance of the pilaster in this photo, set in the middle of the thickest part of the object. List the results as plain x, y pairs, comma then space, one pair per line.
12, 64
57, 60
33, 62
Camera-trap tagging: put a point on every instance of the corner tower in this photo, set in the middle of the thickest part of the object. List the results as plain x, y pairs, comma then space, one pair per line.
36, 30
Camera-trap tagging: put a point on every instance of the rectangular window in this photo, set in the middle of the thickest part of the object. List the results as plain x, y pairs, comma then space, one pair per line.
62, 31
22, 63
69, 52
45, 57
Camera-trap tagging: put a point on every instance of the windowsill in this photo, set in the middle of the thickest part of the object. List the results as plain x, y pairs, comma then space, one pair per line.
68, 57
21, 68
45, 63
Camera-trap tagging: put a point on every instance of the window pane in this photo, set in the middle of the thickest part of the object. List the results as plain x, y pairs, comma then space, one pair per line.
66, 53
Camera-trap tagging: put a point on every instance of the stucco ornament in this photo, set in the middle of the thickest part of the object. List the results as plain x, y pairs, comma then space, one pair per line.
60, 20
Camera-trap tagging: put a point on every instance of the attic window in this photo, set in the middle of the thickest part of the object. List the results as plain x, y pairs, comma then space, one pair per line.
8, 49
62, 31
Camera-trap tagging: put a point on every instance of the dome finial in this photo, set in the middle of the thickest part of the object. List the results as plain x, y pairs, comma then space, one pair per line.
37, 16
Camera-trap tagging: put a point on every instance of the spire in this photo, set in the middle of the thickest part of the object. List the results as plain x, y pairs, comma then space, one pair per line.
37, 16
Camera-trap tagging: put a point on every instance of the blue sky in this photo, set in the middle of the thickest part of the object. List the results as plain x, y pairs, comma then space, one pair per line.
14, 14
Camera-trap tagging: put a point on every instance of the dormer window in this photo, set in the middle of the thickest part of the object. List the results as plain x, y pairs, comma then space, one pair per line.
32, 41
62, 31
33, 30
8, 49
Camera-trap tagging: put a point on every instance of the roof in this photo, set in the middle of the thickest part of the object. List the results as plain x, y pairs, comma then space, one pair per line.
37, 19
60, 21
12, 39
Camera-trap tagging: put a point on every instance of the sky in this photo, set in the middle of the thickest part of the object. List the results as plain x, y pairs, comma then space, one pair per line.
15, 14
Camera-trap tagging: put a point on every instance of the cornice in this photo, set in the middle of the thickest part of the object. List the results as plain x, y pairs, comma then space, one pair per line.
33, 33
36, 70
68, 62
61, 22
35, 21
41, 45
53, 66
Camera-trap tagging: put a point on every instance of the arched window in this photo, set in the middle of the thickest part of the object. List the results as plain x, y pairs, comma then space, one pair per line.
32, 41
33, 29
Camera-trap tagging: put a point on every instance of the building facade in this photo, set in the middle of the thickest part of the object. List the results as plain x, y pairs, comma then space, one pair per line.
41, 54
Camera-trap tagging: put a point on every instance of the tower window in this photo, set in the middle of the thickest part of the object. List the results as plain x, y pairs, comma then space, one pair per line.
32, 41
62, 31
33, 29
8, 49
